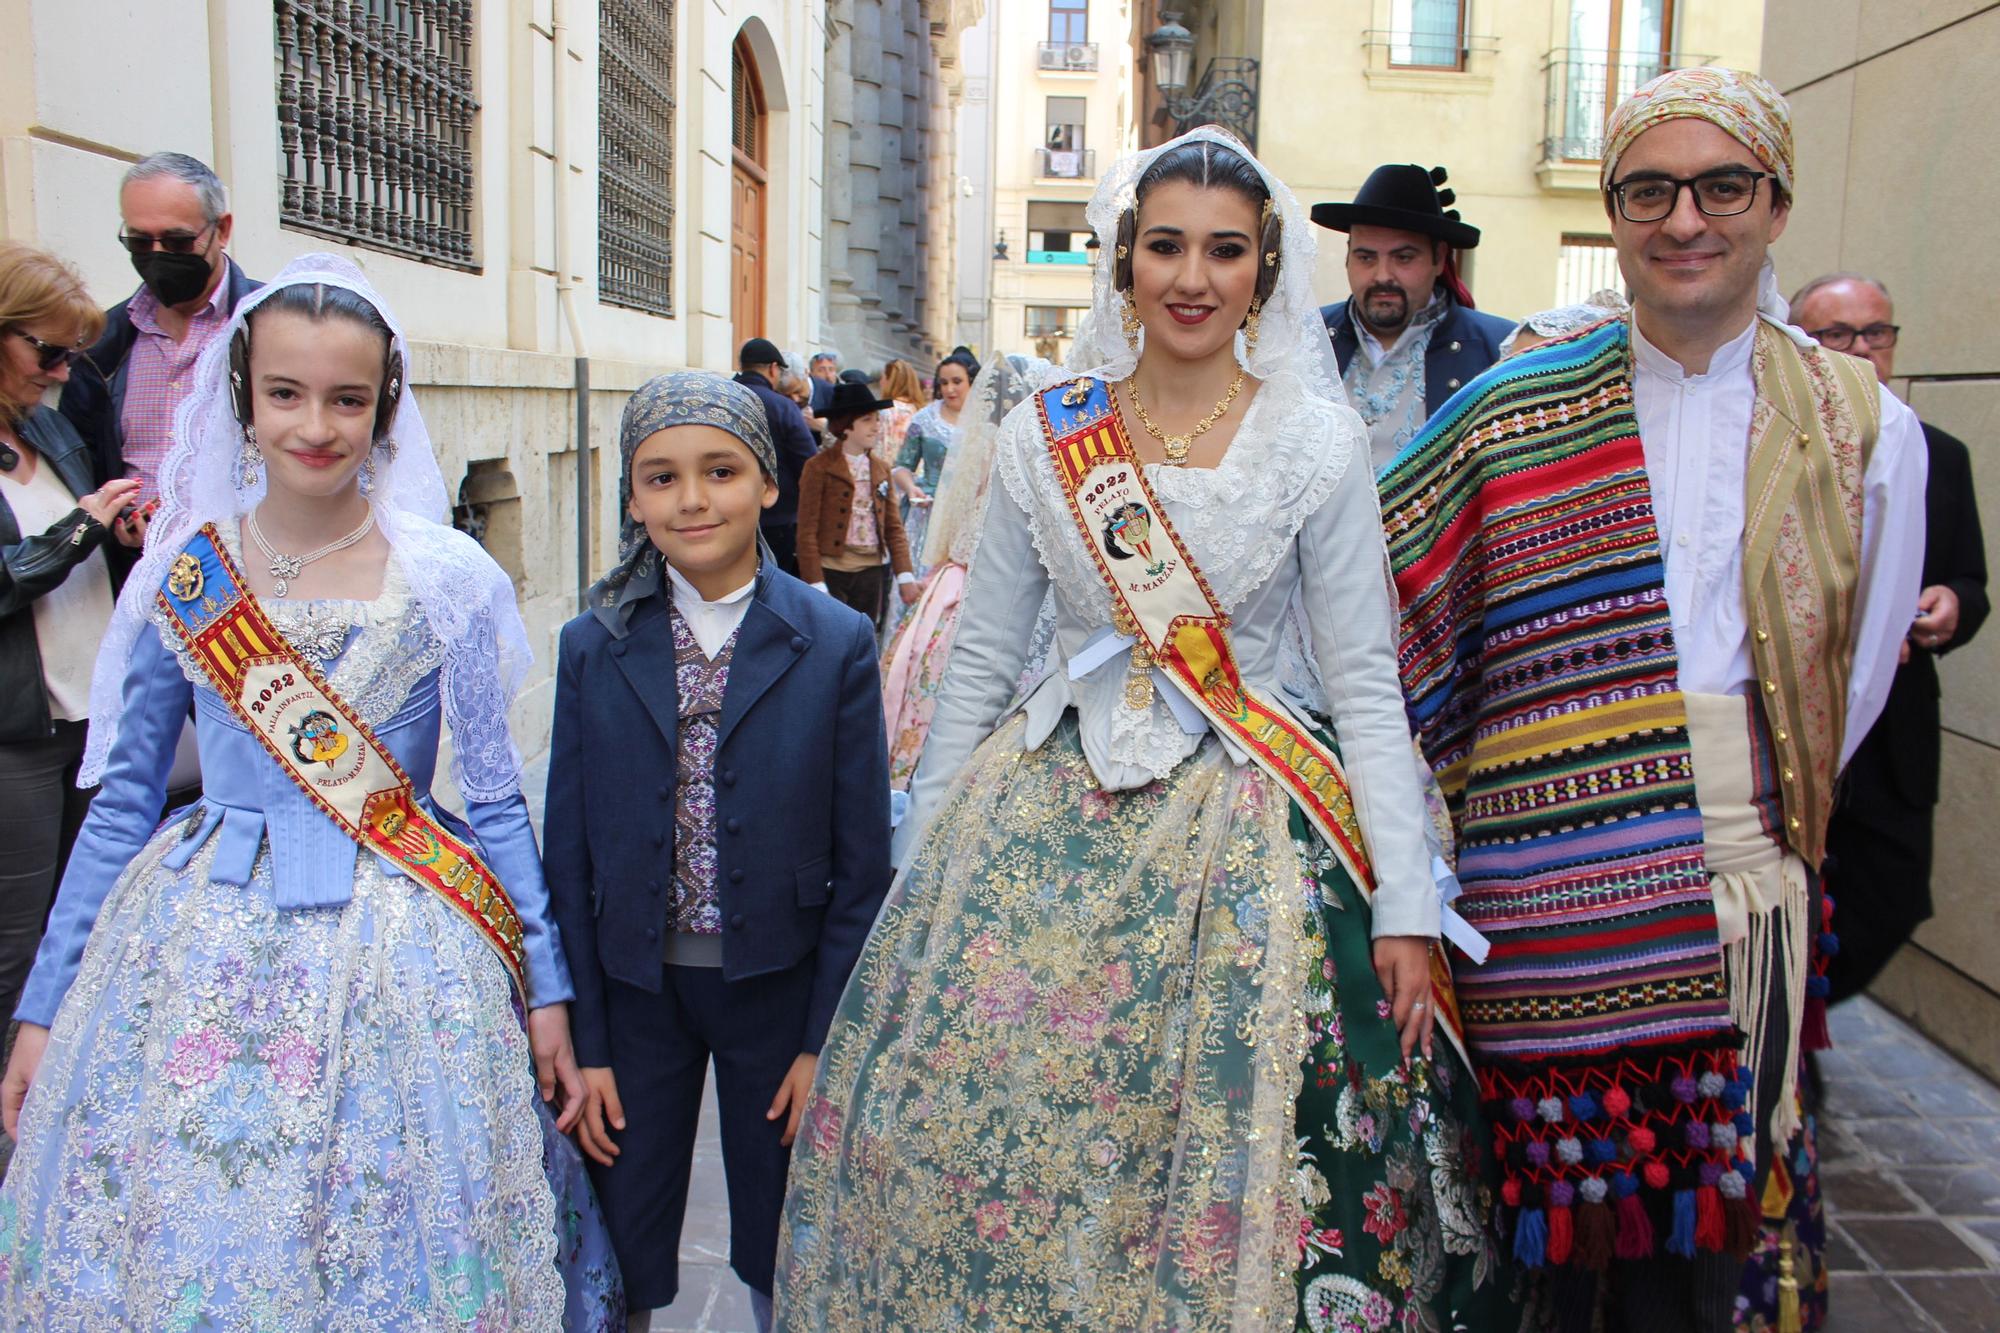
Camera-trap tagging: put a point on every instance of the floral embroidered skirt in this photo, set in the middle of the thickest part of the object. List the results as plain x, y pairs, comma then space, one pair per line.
253, 1119
913, 666
1120, 1061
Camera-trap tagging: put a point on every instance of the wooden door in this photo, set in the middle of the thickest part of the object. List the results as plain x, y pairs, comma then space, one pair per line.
748, 186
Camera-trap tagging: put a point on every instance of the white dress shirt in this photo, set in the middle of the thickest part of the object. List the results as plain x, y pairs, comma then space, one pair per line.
711, 622
1696, 434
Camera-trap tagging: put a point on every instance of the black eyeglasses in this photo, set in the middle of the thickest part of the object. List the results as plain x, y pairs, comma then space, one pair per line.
1719, 194
173, 242
48, 355
1839, 337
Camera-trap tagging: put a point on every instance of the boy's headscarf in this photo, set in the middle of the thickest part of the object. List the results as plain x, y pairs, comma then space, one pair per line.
1744, 106
677, 398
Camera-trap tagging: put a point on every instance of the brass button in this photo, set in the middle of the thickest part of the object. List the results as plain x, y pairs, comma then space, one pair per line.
1789, 776
1793, 823
1763, 637
1804, 439
1770, 687
1783, 736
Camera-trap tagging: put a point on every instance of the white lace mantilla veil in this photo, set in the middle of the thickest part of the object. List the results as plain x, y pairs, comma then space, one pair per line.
467, 599
953, 529
1291, 335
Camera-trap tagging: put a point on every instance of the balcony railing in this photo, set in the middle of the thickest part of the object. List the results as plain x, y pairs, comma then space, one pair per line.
1066, 163
1584, 85
1079, 56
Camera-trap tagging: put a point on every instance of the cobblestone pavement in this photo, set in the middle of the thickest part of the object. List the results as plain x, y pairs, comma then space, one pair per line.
1912, 1183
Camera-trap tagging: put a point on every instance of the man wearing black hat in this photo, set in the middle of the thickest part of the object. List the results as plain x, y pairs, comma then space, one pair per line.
761, 361
1409, 336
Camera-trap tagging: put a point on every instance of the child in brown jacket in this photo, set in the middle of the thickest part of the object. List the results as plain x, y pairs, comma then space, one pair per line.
850, 534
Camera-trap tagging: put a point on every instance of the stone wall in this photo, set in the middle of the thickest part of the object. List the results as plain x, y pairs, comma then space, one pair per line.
1897, 140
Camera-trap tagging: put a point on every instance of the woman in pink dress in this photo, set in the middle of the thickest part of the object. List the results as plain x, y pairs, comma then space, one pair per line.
914, 662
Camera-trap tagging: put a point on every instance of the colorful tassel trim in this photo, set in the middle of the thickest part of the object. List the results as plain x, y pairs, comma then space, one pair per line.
1627, 1160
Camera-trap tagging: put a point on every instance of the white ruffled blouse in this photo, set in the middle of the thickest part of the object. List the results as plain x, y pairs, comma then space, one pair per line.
1288, 531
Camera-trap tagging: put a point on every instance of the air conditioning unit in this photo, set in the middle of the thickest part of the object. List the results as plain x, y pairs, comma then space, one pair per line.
1079, 57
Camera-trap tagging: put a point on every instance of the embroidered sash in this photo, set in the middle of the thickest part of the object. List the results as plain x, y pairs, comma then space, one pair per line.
319, 742
1161, 600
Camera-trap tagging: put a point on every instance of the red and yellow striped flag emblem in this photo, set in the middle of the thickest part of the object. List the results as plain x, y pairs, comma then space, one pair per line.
1081, 454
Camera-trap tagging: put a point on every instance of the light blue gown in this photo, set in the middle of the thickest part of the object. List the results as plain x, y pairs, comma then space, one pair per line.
286, 1086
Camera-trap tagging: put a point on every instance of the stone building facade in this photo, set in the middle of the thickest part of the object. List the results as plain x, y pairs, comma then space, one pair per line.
621, 186
1894, 121
893, 87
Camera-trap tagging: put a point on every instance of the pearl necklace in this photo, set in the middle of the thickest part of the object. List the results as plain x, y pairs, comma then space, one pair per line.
285, 568
1177, 446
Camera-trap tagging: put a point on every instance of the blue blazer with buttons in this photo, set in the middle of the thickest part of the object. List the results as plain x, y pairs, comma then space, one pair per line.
1464, 343
802, 799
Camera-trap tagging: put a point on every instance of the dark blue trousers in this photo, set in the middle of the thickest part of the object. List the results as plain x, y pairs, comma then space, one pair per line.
661, 1046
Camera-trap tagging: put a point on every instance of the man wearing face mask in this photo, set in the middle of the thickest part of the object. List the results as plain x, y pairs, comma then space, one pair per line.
123, 395
1409, 336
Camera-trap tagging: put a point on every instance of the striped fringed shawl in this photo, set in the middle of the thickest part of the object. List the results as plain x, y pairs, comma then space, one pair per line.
1538, 659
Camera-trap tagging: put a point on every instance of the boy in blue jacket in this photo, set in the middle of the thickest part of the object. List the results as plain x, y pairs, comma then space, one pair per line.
717, 833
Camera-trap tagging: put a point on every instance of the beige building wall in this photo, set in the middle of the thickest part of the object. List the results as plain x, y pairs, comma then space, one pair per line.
1897, 130
86, 90
1332, 108
1029, 276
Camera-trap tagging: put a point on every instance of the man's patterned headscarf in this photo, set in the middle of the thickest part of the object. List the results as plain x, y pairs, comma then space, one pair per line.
678, 398
1743, 105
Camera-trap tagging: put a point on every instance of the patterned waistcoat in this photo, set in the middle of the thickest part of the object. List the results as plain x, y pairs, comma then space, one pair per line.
701, 683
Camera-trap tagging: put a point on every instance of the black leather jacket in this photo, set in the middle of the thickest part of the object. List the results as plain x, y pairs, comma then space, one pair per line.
31, 566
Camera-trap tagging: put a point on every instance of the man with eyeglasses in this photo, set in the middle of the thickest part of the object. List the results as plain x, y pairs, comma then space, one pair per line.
1879, 844
1654, 576
123, 394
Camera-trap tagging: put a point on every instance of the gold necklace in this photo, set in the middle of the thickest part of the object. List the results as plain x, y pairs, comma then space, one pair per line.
1177, 446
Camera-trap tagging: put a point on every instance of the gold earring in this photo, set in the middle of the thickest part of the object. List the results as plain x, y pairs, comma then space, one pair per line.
1250, 326
1129, 318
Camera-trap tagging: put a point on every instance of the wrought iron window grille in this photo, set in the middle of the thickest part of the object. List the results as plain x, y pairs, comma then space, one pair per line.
375, 115
635, 153
1583, 87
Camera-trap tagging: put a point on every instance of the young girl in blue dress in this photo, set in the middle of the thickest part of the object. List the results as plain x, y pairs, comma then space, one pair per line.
273, 1080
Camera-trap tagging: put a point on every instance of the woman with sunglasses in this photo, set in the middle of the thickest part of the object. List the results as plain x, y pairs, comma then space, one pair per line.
55, 594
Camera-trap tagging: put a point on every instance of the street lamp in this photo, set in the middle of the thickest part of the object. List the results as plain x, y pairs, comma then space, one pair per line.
1228, 92
1172, 47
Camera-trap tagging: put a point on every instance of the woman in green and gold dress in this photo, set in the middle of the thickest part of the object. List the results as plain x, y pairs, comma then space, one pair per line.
1129, 1048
